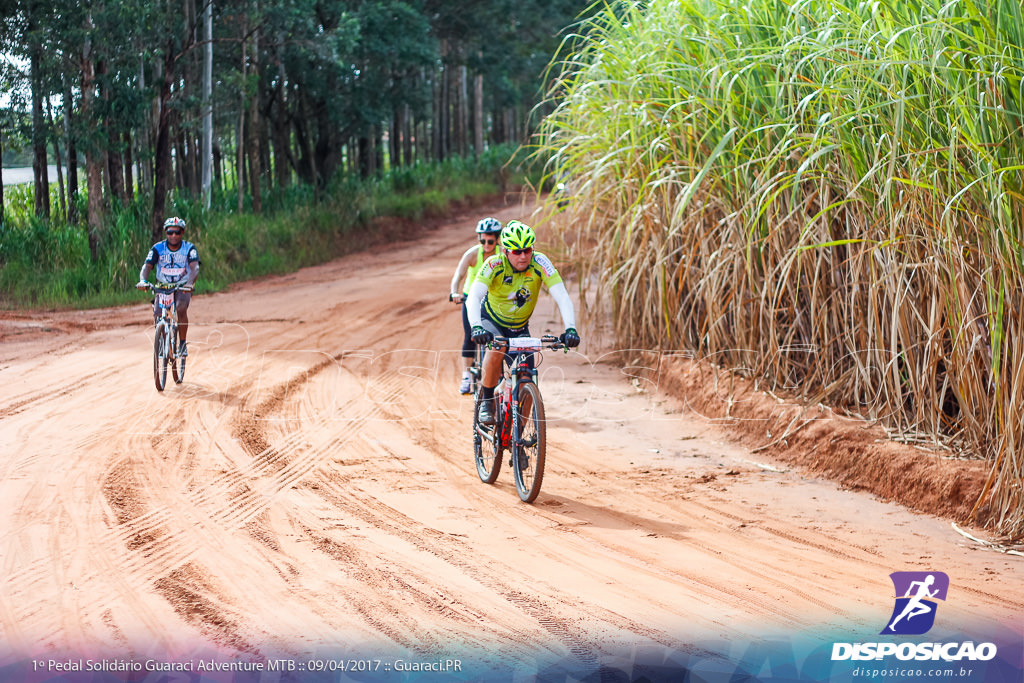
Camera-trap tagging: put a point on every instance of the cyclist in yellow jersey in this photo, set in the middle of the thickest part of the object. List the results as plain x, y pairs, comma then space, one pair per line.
488, 232
511, 282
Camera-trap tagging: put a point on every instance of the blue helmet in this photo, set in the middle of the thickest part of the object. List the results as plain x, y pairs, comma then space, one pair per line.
488, 226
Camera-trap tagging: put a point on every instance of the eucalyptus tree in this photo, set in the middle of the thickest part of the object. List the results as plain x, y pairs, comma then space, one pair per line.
307, 73
394, 46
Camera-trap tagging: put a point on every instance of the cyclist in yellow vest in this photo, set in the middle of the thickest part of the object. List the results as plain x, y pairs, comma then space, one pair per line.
511, 283
488, 232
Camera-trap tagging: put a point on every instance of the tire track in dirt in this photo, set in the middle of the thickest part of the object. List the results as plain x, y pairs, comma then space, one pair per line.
159, 551
144, 532
791, 613
35, 577
48, 395
558, 619
591, 548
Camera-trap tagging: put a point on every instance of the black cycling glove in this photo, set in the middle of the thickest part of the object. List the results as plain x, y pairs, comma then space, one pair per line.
481, 336
570, 338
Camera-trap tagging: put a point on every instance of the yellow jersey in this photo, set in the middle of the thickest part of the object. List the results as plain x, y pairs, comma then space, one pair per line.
473, 269
512, 296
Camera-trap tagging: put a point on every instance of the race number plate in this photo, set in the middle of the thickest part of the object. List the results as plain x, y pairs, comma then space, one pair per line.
525, 344
164, 299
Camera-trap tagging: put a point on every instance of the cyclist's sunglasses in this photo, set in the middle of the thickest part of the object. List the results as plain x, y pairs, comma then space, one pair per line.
520, 252
174, 232
488, 241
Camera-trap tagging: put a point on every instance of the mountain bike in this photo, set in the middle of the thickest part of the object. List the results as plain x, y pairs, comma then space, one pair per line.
519, 423
165, 337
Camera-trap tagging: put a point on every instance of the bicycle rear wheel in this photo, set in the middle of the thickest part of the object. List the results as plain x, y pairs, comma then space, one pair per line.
486, 446
528, 442
178, 362
160, 355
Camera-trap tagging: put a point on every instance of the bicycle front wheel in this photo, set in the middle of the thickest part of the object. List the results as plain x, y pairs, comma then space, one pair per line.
160, 355
486, 447
528, 442
178, 362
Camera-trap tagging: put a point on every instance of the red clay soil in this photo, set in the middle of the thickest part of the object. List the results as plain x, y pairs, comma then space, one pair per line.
859, 455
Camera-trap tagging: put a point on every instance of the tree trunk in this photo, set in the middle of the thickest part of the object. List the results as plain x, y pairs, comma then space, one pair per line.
1, 180
180, 156
195, 169
207, 152
378, 151
129, 186
146, 141
193, 76
254, 127
305, 167
463, 112
407, 129
115, 167
39, 161
93, 159
279, 123
162, 164
478, 115
115, 173
240, 134
440, 122
364, 157
69, 108
395, 137
218, 167
60, 162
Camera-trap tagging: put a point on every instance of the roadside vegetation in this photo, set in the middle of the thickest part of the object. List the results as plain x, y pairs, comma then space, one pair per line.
828, 195
43, 264
279, 130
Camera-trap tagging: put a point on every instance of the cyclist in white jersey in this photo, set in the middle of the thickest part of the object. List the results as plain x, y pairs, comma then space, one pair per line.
175, 260
488, 232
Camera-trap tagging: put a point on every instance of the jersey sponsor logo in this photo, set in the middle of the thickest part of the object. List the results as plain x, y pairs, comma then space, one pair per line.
545, 264
522, 296
172, 266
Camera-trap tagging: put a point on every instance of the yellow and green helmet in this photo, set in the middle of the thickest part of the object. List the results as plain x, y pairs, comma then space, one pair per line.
517, 235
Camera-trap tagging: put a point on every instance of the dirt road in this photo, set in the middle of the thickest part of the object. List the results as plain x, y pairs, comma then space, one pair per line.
310, 489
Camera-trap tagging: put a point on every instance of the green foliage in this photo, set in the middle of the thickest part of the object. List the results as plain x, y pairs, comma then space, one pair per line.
47, 264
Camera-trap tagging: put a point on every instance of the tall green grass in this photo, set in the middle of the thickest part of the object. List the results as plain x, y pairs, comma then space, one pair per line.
46, 263
828, 193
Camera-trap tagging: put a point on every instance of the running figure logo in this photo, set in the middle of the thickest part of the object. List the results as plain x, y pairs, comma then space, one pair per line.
916, 595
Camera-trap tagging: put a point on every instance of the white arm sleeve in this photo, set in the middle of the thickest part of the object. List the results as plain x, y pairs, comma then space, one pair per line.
460, 270
564, 301
477, 292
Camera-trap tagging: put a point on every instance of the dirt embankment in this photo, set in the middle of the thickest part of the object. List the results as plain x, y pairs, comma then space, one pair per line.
857, 454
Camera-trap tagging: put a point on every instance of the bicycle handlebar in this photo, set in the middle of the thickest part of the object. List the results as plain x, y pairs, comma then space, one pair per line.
547, 341
166, 286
